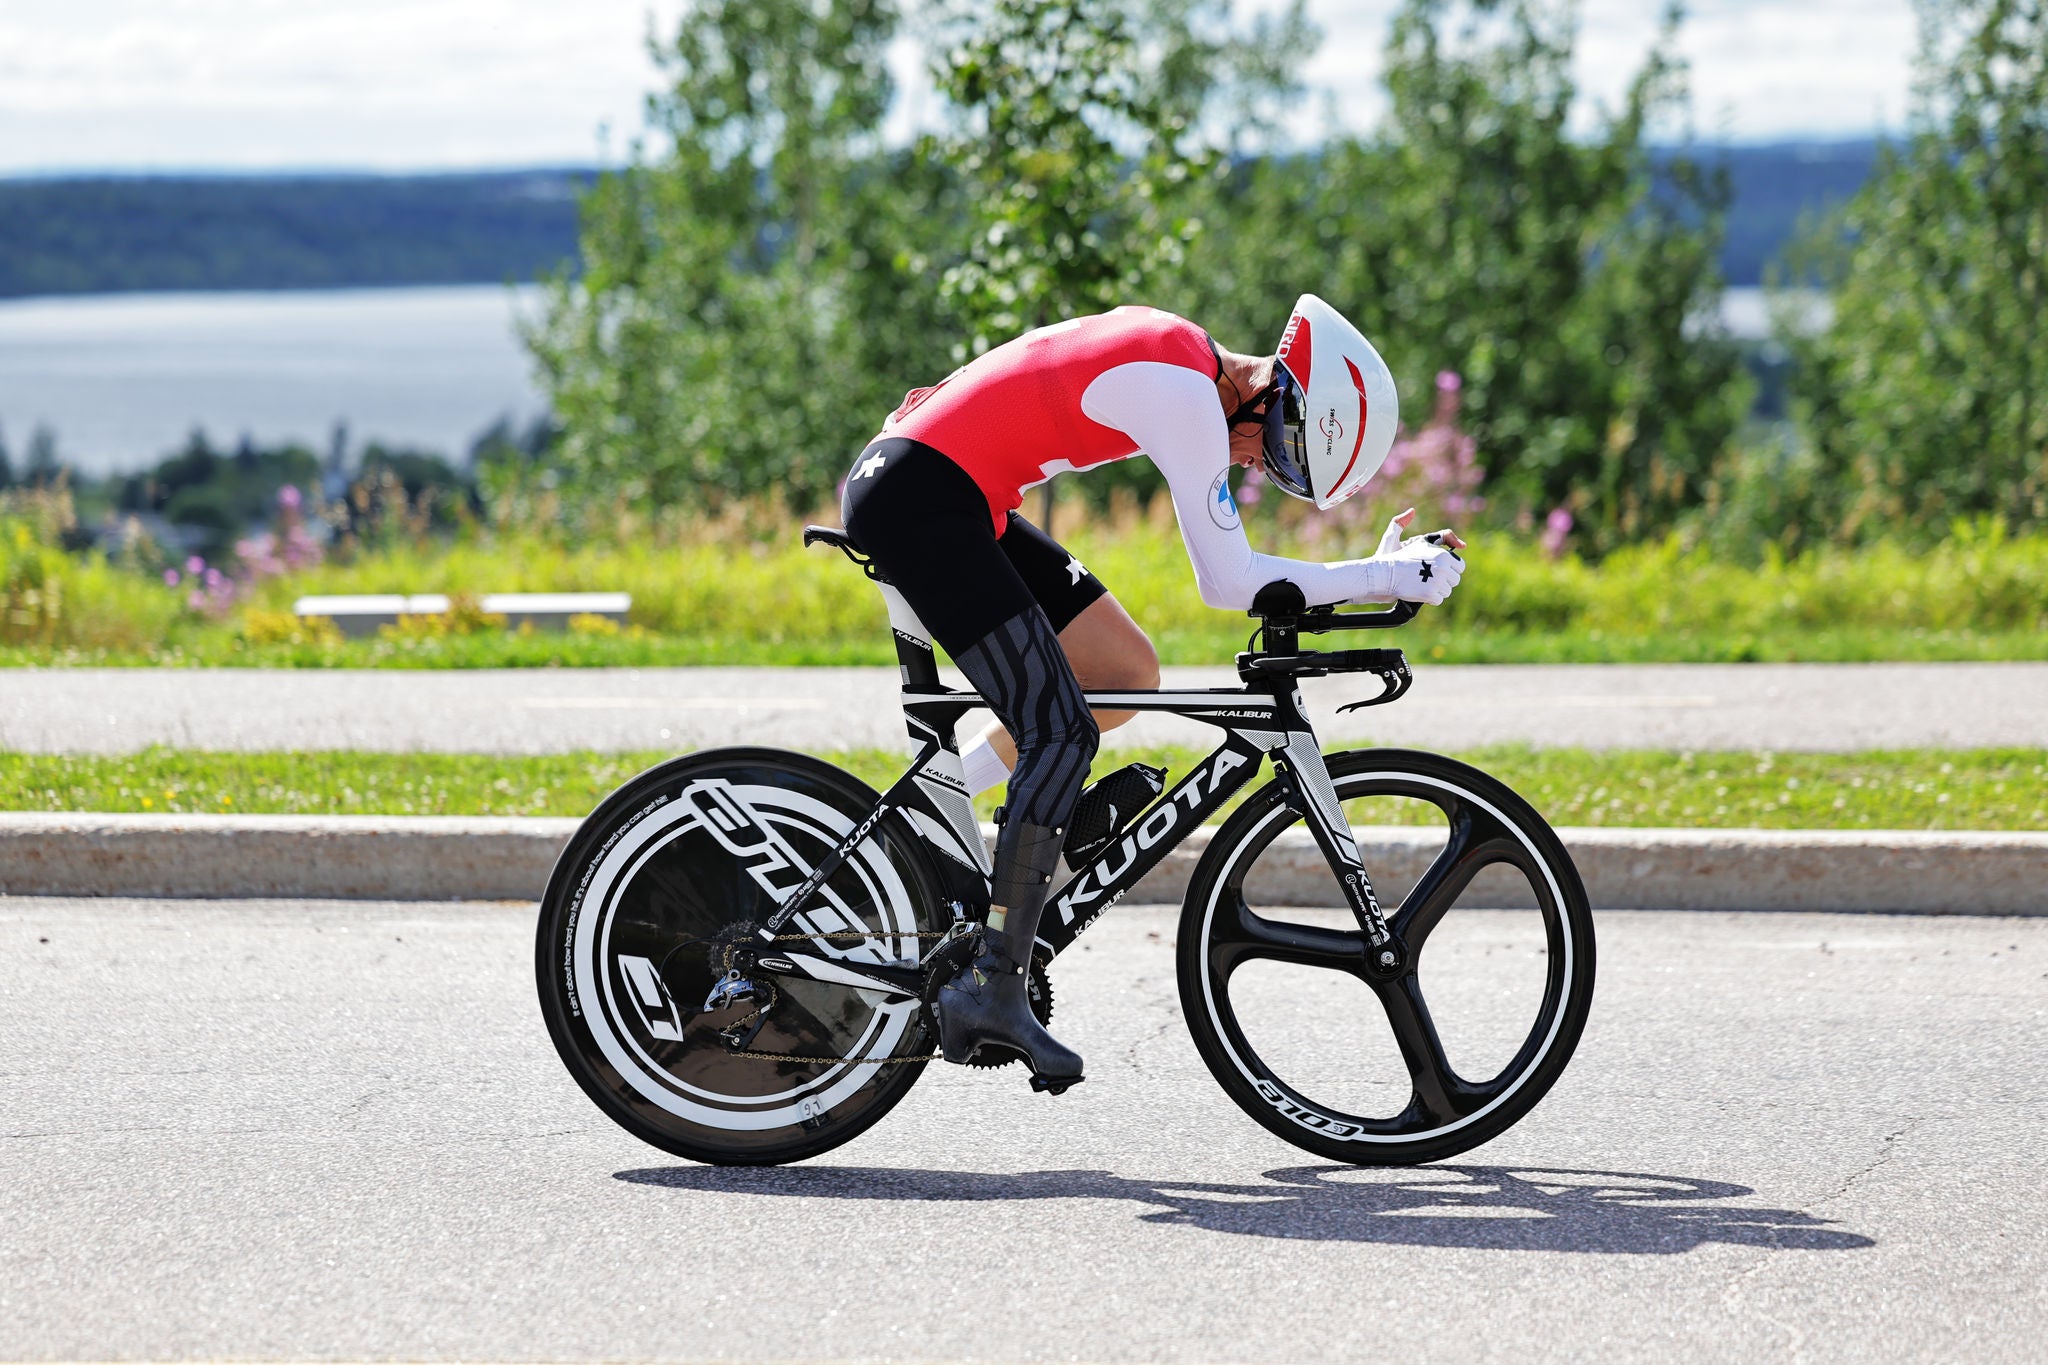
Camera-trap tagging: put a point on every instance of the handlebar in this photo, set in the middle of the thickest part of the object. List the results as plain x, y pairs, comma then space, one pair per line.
1280, 604
1284, 616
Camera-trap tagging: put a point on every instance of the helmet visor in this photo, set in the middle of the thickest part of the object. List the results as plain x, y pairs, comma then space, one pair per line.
1285, 440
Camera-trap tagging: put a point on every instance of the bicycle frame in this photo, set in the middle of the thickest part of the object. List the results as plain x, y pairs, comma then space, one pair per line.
1260, 720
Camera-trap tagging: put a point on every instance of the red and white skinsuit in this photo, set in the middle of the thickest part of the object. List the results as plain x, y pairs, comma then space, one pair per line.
1097, 389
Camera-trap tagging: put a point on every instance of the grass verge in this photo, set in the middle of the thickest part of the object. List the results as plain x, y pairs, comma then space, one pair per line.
744, 591
1184, 644
1933, 789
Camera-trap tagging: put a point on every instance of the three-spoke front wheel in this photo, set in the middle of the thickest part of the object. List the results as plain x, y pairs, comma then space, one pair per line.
1465, 1040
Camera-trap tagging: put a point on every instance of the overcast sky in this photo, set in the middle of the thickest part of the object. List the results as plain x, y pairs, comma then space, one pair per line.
430, 84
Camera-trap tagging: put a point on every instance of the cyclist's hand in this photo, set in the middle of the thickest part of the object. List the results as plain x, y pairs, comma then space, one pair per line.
1422, 569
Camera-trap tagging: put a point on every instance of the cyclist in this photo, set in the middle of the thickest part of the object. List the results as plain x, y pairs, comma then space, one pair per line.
933, 500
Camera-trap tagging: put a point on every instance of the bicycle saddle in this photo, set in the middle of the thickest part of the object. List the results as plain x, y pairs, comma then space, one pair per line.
846, 545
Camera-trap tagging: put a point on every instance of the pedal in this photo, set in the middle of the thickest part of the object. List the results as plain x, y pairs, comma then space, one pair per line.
1055, 1087
1107, 808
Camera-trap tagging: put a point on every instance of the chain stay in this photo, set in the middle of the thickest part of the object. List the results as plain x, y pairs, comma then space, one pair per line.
738, 1026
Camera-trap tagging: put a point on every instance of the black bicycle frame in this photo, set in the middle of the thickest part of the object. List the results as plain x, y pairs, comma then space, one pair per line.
1264, 718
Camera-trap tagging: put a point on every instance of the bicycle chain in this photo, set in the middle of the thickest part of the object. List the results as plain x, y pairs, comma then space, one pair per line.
773, 995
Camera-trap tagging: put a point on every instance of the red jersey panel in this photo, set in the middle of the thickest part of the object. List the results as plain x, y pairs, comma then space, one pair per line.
1012, 418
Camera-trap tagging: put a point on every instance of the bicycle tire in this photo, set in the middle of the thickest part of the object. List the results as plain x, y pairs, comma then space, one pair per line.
627, 936
1486, 825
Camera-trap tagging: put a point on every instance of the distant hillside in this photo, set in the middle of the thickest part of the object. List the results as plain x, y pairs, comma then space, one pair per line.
115, 234
1773, 185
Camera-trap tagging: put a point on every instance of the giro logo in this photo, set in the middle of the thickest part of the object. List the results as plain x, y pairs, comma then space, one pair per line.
1222, 506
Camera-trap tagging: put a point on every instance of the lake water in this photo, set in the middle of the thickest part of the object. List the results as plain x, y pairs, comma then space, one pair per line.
123, 378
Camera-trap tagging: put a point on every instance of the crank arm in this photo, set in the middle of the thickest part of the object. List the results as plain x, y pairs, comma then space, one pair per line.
898, 982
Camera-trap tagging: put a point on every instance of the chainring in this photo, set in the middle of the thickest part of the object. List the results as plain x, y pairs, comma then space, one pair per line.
948, 960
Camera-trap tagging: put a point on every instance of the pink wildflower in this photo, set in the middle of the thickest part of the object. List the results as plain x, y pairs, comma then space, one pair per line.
1556, 527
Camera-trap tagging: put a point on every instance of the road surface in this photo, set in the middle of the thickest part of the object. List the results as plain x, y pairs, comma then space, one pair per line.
1700, 706
289, 1130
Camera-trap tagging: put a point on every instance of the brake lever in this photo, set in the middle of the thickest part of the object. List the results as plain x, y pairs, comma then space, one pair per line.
1394, 681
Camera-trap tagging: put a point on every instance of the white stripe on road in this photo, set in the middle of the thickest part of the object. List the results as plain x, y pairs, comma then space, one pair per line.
670, 703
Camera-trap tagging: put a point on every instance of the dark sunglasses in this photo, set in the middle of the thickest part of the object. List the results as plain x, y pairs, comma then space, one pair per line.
1283, 440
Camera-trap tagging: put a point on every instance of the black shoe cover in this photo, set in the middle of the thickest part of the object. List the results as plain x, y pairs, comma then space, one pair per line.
987, 1004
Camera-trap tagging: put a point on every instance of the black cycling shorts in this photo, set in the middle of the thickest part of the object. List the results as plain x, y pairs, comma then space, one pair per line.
925, 523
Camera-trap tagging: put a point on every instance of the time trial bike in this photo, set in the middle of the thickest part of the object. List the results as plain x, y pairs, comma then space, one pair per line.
738, 950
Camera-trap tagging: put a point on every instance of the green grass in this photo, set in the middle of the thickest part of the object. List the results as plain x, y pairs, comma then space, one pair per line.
743, 591
1996, 789
1425, 641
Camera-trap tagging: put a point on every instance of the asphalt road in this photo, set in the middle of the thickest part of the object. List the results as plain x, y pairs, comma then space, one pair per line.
277, 1131
1701, 706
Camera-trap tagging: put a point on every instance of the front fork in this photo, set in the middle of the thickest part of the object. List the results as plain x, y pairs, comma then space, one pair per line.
1300, 760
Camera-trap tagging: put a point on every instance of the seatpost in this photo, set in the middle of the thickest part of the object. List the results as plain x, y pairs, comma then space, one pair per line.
916, 659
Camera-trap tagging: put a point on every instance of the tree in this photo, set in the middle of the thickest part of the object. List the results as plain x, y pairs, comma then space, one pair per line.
6, 465
1572, 286
45, 466
1083, 132
1926, 398
720, 340
1079, 131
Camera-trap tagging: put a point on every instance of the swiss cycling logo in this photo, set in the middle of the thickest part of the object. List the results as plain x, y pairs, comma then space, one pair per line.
1222, 507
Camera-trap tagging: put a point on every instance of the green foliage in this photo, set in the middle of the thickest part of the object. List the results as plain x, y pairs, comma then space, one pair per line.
746, 294
53, 600
216, 493
1077, 132
1927, 397
757, 294
1570, 280
1909, 789
741, 590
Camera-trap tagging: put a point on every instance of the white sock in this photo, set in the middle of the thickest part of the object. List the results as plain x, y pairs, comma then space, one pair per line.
983, 766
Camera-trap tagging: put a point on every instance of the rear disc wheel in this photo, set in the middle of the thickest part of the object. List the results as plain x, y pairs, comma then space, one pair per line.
630, 944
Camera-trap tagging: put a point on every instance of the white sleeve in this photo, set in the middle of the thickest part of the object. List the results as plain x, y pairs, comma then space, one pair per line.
1173, 415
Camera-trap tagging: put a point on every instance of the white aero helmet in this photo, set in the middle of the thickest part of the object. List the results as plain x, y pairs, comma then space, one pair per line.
1333, 420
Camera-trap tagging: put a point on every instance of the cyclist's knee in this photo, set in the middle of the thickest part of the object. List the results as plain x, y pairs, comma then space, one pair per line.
1084, 733
1142, 664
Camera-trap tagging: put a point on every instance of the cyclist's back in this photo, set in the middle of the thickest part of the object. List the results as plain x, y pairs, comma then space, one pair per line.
1015, 416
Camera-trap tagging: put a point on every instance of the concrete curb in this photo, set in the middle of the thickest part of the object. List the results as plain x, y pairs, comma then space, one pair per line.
463, 858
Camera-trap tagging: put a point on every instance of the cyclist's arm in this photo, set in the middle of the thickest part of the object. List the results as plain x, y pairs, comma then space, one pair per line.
1171, 412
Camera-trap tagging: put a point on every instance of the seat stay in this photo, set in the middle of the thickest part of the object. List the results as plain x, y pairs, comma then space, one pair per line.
933, 788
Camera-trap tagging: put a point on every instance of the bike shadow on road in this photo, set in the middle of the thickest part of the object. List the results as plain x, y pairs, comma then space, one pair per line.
1502, 1208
